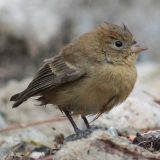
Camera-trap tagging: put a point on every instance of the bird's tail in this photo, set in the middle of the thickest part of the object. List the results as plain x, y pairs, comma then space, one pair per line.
15, 97
18, 98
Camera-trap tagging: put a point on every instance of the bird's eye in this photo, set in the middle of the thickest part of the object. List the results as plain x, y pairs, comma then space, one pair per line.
118, 43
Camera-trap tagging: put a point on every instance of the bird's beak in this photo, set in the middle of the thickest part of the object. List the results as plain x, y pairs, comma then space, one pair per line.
136, 48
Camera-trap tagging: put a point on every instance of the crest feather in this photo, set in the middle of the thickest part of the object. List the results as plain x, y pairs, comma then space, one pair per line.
125, 28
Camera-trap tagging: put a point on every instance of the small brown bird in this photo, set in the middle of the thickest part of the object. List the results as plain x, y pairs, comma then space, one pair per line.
91, 75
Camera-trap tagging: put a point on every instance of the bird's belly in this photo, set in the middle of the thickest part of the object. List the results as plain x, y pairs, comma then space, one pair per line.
103, 95
93, 95
83, 98
92, 100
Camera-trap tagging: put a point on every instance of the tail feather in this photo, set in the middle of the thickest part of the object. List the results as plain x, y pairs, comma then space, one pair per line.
17, 103
15, 97
18, 98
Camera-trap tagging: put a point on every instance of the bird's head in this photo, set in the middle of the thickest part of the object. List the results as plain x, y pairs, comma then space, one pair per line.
118, 44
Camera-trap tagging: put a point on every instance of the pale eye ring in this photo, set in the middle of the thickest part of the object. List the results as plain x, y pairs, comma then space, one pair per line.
118, 43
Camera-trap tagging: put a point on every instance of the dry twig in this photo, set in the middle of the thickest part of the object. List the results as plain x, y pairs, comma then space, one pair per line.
20, 126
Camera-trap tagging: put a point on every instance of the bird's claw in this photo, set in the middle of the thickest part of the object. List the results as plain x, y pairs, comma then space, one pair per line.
82, 133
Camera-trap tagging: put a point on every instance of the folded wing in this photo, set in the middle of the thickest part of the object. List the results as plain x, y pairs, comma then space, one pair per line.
55, 72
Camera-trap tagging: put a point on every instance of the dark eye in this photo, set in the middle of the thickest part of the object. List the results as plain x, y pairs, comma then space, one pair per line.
118, 44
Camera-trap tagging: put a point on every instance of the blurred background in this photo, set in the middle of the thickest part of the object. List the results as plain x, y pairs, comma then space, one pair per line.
33, 30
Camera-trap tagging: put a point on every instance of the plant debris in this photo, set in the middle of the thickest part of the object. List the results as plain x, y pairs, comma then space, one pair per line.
149, 140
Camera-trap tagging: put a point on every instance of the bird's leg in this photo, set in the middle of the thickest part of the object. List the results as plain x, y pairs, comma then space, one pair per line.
89, 127
79, 134
86, 121
76, 129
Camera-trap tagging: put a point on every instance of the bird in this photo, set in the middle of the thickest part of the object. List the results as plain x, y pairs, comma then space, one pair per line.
89, 76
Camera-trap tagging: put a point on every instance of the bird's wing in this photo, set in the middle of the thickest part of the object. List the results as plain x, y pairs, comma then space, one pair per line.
55, 72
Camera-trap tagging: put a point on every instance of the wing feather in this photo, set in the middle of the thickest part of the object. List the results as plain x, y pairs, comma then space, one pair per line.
55, 72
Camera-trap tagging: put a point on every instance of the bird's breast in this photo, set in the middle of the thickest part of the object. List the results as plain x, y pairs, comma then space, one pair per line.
106, 87
121, 79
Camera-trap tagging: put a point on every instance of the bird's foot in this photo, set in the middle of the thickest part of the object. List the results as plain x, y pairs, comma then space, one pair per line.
83, 133
80, 134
